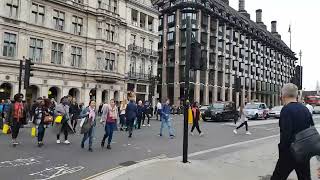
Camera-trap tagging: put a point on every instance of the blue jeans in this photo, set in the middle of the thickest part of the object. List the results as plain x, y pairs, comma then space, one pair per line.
41, 131
166, 121
108, 132
87, 135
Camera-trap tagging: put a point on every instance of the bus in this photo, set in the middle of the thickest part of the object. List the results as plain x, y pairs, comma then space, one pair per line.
312, 100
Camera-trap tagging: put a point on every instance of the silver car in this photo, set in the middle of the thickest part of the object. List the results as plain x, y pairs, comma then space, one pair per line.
256, 111
275, 111
316, 109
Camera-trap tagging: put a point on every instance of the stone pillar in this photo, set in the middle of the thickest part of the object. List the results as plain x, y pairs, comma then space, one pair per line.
111, 95
44, 90
215, 82
197, 73
223, 88
98, 97
237, 99
65, 91
243, 95
164, 86
176, 85
85, 97
273, 100
138, 18
146, 24
206, 83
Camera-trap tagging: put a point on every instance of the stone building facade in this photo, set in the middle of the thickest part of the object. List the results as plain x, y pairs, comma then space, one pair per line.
79, 47
232, 45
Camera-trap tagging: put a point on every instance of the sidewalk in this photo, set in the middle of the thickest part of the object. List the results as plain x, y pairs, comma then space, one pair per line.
247, 161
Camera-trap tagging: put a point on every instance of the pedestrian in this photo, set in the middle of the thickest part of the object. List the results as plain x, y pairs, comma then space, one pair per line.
16, 117
243, 120
165, 118
41, 111
310, 108
146, 113
123, 107
2, 104
100, 109
139, 114
75, 113
196, 118
62, 109
159, 108
131, 113
111, 120
91, 116
294, 118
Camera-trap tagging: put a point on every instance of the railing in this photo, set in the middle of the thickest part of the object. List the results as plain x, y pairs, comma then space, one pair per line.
142, 50
140, 76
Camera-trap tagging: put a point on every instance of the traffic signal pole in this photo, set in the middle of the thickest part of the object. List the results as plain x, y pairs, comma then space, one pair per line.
20, 76
186, 93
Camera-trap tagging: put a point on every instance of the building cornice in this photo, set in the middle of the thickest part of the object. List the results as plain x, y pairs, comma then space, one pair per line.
146, 7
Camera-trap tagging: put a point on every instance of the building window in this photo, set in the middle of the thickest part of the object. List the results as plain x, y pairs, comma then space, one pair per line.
56, 53
58, 20
78, 1
12, 8
76, 53
151, 44
142, 67
108, 31
170, 36
110, 61
171, 18
99, 29
143, 42
112, 31
9, 45
150, 23
99, 60
134, 17
133, 39
133, 64
37, 14
35, 49
77, 23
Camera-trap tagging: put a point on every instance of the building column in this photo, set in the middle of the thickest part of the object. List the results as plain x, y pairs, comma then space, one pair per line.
111, 95
176, 84
215, 82
148, 92
206, 83
273, 100
138, 18
146, 24
164, 86
44, 91
197, 73
98, 97
65, 91
223, 88
85, 95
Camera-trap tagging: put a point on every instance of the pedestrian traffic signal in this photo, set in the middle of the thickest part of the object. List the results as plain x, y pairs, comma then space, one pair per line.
196, 61
27, 73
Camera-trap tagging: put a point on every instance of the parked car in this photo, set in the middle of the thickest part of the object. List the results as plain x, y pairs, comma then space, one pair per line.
203, 108
275, 111
316, 110
221, 111
256, 110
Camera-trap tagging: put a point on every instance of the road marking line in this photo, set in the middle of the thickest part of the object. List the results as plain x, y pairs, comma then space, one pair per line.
123, 170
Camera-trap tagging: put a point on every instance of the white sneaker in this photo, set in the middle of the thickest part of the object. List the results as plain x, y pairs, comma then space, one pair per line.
58, 141
201, 134
143, 125
248, 133
149, 125
191, 134
235, 131
67, 142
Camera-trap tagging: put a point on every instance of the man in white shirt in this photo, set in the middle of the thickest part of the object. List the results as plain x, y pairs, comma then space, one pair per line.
159, 108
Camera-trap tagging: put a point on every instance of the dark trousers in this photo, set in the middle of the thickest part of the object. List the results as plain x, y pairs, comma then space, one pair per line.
144, 117
87, 135
41, 131
109, 128
286, 164
196, 125
138, 125
122, 120
130, 123
15, 128
158, 114
74, 123
64, 129
245, 123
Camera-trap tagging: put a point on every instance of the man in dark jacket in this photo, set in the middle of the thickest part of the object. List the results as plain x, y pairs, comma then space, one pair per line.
294, 117
131, 113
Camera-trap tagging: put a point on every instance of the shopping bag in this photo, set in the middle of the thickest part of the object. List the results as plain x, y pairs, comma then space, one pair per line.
5, 129
82, 121
58, 119
190, 117
33, 132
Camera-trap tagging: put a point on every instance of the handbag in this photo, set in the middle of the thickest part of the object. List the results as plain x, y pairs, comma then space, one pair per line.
86, 126
58, 119
306, 144
5, 129
33, 132
48, 119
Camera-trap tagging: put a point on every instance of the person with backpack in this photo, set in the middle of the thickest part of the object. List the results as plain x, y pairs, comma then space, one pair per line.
90, 115
16, 117
196, 118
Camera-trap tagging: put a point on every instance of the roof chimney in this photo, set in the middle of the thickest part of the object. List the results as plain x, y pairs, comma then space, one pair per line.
241, 5
259, 15
274, 27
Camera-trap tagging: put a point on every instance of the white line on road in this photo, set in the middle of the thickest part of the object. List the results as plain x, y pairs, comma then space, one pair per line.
113, 173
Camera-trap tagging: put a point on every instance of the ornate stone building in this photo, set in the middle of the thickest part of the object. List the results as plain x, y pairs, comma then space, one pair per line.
79, 47
233, 46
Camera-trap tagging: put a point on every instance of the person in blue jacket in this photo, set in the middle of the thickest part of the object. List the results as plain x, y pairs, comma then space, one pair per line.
165, 119
131, 113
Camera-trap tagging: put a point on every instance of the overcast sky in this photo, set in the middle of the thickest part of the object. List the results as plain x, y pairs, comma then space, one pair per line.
304, 17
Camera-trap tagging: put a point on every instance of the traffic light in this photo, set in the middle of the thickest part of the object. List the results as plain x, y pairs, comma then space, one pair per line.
27, 73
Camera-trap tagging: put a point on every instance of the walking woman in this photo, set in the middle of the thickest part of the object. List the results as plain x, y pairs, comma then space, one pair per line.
62, 109
17, 115
41, 112
111, 119
243, 120
131, 113
90, 122
75, 112
196, 118
123, 107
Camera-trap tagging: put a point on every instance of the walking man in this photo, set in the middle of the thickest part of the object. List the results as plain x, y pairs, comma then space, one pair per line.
165, 119
159, 108
131, 113
294, 117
